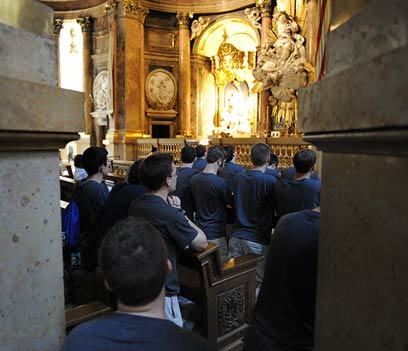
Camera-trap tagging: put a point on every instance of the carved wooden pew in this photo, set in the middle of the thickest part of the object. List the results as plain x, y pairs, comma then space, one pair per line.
224, 293
67, 188
80, 314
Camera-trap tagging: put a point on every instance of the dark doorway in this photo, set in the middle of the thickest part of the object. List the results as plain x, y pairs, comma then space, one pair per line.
160, 131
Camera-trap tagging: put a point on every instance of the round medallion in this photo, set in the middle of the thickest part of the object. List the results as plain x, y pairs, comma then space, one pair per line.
161, 89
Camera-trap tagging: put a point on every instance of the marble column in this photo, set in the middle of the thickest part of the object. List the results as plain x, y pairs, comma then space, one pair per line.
264, 123
86, 26
58, 24
37, 118
184, 82
127, 23
358, 116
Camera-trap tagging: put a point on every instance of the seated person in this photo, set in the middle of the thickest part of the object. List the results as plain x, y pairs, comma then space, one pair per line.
272, 168
139, 323
79, 173
184, 173
284, 312
200, 161
300, 192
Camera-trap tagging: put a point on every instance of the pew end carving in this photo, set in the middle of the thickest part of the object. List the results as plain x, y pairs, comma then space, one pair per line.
225, 294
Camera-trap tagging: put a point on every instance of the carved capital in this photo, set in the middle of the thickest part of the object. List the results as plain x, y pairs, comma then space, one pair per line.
264, 6
141, 14
57, 26
85, 23
111, 7
134, 9
184, 19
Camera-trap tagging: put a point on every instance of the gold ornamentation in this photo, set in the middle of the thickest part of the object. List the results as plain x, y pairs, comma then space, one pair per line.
264, 6
282, 68
184, 19
141, 14
111, 7
85, 23
58, 24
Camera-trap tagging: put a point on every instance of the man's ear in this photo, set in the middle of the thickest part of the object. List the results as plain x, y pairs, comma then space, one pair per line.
169, 267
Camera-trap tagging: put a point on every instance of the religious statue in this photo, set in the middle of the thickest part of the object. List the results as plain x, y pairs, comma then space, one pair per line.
198, 26
254, 15
282, 68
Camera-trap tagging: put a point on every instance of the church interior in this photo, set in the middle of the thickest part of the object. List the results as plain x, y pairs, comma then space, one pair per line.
136, 75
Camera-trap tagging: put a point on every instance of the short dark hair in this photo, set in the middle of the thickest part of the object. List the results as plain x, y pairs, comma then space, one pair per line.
273, 159
155, 169
133, 261
133, 175
229, 152
94, 157
215, 153
259, 154
188, 154
78, 161
304, 160
200, 150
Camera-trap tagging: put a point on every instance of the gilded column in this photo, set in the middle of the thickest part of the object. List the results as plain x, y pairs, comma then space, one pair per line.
312, 25
184, 86
86, 26
57, 26
264, 124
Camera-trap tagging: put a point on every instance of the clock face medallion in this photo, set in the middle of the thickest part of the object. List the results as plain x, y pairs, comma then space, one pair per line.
161, 89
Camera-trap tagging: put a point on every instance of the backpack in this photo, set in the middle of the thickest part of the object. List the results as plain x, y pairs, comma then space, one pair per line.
70, 226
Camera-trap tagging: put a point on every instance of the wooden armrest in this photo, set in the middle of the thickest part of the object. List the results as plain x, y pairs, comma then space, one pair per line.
83, 313
240, 264
67, 180
211, 247
63, 204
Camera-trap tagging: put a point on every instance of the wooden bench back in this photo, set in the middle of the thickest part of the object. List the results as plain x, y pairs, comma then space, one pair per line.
225, 293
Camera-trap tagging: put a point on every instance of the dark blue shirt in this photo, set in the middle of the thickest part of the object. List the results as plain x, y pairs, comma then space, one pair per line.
124, 332
229, 171
200, 164
273, 172
293, 195
183, 190
290, 172
253, 203
284, 313
173, 225
211, 196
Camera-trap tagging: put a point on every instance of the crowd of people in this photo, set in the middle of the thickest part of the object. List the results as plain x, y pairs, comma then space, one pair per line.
161, 209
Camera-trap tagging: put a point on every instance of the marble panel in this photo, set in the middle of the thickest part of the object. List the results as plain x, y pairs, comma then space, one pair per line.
362, 298
372, 94
27, 56
31, 295
379, 28
28, 106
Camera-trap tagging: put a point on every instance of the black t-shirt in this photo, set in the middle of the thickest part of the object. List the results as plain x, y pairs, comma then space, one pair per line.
183, 190
211, 197
284, 313
124, 332
173, 225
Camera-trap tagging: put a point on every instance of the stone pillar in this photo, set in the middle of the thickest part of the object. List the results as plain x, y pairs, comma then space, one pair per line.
358, 116
127, 22
184, 81
58, 24
264, 123
37, 118
86, 26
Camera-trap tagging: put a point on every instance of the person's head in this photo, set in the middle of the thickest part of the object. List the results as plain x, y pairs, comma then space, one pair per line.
133, 261
304, 160
188, 154
200, 150
273, 160
78, 161
158, 170
229, 153
133, 175
216, 154
94, 160
260, 154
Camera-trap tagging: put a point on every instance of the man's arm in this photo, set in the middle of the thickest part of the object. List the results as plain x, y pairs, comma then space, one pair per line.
200, 241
